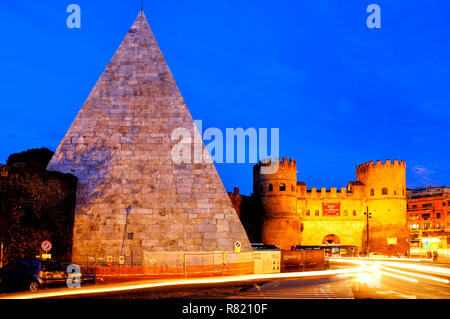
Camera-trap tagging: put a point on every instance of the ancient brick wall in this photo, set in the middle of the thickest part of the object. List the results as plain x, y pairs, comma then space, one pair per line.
36, 205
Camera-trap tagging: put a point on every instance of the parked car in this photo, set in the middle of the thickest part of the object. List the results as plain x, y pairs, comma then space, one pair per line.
31, 275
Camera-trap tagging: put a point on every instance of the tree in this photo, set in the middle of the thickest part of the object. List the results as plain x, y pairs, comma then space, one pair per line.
34, 158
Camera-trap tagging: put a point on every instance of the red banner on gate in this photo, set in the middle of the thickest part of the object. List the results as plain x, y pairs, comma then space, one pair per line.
331, 209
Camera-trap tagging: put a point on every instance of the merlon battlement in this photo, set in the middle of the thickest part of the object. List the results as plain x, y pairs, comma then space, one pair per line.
379, 163
283, 163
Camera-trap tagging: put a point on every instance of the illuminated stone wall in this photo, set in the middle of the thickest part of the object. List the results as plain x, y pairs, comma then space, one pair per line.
132, 197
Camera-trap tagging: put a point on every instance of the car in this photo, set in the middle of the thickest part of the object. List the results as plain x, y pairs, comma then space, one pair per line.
31, 275
377, 255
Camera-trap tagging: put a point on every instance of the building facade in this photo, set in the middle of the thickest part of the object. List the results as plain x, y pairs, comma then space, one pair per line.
291, 214
428, 219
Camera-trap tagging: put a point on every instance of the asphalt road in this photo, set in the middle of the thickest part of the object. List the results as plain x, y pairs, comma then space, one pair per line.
380, 286
388, 280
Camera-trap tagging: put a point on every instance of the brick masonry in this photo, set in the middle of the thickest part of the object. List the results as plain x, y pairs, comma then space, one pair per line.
119, 146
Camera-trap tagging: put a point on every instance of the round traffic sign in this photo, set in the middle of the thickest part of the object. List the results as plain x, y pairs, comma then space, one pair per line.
237, 244
46, 245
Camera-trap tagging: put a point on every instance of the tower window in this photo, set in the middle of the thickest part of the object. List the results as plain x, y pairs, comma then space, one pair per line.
282, 187
354, 212
316, 213
384, 191
345, 213
270, 187
292, 188
395, 192
308, 213
372, 192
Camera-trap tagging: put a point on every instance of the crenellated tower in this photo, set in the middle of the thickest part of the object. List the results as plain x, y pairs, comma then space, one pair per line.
278, 198
385, 194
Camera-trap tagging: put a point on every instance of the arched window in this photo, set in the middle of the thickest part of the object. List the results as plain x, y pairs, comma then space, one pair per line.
384, 191
354, 212
395, 192
282, 187
293, 188
270, 187
345, 213
372, 192
316, 213
308, 213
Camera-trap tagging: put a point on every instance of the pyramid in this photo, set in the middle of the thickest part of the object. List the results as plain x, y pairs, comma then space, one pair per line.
132, 198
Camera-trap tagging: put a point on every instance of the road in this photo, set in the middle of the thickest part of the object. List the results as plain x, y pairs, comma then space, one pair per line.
346, 279
391, 282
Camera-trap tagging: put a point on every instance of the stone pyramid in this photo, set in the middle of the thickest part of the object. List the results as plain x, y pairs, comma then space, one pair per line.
132, 197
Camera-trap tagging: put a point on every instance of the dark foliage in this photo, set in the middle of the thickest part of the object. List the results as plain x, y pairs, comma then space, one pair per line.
37, 158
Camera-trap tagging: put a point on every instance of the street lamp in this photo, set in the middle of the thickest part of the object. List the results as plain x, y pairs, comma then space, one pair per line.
368, 215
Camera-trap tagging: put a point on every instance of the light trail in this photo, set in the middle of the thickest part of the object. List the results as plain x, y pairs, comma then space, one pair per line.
445, 281
146, 285
428, 269
398, 276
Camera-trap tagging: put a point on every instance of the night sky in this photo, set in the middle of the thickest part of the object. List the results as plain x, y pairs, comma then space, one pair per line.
340, 93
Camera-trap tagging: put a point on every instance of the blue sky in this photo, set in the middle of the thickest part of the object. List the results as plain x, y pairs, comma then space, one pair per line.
340, 93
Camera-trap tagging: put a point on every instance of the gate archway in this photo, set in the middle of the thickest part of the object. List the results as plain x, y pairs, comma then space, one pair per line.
331, 239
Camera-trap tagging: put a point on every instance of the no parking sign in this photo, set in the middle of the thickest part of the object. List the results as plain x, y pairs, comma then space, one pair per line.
46, 245
237, 247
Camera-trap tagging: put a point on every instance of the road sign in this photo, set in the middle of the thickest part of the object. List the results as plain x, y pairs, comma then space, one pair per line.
46, 256
237, 246
121, 260
46, 245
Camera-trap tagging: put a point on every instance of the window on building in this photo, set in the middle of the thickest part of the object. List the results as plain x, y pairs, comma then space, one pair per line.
345, 213
426, 205
270, 187
130, 236
414, 217
308, 213
372, 192
316, 213
426, 226
395, 192
425, 216
282, 187
384, 191
438, 226
443, 203
292, 188
438, 215
354, 212
414, 206
413, 226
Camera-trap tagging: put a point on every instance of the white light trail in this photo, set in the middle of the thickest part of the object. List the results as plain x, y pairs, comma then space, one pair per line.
445, 281
146, 285
428, 269
398, 276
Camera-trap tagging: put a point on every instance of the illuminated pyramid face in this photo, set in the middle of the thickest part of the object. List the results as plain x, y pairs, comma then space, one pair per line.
132, 197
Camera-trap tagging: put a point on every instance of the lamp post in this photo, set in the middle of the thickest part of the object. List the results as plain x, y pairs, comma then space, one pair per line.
368, 215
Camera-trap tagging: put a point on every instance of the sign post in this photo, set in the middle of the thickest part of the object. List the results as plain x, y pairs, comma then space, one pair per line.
237, 247
46, 247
